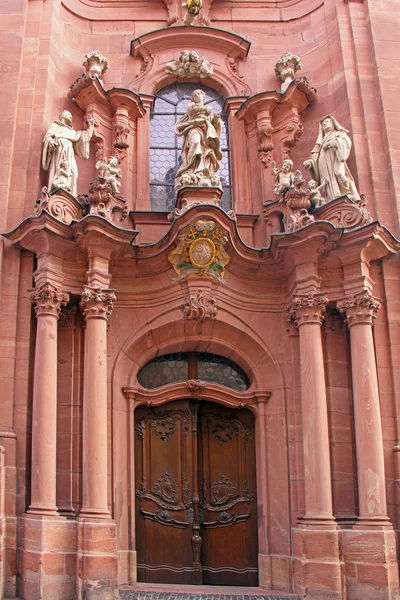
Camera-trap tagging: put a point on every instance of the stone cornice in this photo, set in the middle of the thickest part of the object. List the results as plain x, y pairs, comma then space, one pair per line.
219, 40
198, 390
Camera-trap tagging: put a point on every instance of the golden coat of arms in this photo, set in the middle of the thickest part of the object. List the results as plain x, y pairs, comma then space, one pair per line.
201, 250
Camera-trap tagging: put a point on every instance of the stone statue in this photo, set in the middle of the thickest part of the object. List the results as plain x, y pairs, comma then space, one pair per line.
60, 145
284, 177
201, 153
193, 7
328, 161
315, 192
111, 172
189, 64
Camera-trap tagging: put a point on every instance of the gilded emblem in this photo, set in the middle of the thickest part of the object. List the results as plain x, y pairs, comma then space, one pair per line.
201, 250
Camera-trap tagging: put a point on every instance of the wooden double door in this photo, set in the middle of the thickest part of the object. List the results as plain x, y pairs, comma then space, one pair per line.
196, 508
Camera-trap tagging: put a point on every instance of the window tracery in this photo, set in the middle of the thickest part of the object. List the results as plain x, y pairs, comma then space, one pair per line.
181, 366
165, 147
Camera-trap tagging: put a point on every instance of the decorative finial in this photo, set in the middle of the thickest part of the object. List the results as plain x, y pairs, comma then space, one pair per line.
286, 68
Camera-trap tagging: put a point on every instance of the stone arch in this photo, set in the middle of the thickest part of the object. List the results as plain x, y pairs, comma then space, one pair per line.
231, 337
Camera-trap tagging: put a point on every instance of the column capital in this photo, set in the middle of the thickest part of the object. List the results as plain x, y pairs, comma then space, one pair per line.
359, 308
48, 299
308, 308
97, 303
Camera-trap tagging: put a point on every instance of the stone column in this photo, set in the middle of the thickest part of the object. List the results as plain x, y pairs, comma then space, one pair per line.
307, 311
360, 311
97, 305
47, 299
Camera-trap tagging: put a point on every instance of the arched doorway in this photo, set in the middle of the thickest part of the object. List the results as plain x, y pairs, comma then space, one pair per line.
195, 482
196, 508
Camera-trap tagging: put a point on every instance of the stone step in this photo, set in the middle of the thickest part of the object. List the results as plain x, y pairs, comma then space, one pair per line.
132, 593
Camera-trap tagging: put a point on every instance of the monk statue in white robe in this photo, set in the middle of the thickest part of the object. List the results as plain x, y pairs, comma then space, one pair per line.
327, 162
60, 145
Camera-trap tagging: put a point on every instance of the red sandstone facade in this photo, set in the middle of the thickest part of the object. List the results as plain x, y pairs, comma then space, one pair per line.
312, 316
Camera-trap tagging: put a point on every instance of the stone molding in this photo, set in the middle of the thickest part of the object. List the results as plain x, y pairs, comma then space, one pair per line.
48, 299
97, 303
360, 308
308, 308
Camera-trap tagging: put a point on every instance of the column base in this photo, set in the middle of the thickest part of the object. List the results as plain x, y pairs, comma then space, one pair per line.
317, 522
371, 565
95, 513
97, 559
46, 557
46, 510
318, 570
377, 523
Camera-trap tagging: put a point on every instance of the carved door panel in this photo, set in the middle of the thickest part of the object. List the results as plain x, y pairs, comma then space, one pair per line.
164, 487
196, 518
227, 496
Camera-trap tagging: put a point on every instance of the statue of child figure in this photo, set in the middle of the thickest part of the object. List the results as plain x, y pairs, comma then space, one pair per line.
63, 177
284, 177
315, 192
111, 172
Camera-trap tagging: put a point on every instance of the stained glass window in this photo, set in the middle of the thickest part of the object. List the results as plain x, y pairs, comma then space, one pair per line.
165, 147
174, 367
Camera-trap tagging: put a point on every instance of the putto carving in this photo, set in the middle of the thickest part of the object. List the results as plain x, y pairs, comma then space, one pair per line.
201, 152
201, 250
48, 299
193, 8
286, 68
200, 305
315, 192
104, 191
328, 161
95, 64
360, 308
190, 64
284, 177
97, 303
308, 308
60, 145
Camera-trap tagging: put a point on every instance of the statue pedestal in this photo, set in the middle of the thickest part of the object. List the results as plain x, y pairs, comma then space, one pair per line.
193, 196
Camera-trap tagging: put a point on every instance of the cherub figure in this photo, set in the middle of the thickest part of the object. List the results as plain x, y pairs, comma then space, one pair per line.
284, 177
111, 172
193, 7
63, 177
315, 192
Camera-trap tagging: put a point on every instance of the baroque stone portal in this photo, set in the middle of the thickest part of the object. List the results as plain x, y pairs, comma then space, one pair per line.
201, 153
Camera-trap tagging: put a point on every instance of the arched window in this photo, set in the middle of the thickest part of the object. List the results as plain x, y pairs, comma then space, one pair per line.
165, 147
181, 366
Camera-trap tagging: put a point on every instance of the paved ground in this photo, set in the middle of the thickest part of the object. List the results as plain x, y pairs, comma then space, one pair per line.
127, 594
